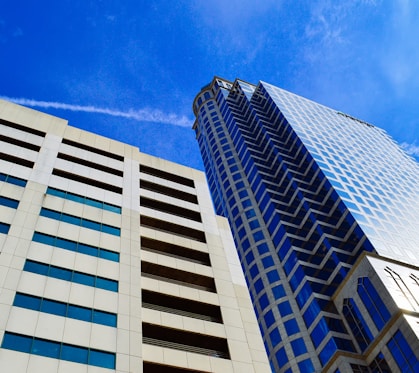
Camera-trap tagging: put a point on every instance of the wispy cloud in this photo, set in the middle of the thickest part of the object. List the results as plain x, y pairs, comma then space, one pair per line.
411, 149
140, 115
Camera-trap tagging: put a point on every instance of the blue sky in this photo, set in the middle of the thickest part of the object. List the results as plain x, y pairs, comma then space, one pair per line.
130, 69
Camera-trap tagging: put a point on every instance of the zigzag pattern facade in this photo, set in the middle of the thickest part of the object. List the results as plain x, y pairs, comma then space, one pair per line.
314, 235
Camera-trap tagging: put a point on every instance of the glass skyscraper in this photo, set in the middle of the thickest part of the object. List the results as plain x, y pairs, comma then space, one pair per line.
324, 211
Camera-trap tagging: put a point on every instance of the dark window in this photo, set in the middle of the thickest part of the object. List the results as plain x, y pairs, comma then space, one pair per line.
167, 176
168, 191
22, 128
177, 276
20, 161
86, 180
175, 251
20, 143
181, 306
170, 209
93, 150
172, 228
90, 164
186, 341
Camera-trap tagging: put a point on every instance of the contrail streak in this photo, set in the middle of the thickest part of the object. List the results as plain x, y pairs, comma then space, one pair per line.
141, 115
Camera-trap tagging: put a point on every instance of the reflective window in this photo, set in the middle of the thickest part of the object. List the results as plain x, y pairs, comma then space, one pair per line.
357, 323
80, 221
373, 302
281, 357
275, 337
53, 349
278, 291
273, 276
64, 309
306, 366
291, 327
298, 347
403, 354
75, 246
269, 318
69, 275
4, 228
263, 301
83, 199
8, 202
284, 308
12, 180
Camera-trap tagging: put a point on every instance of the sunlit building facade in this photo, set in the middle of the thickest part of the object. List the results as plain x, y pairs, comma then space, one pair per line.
324, 211
112, 260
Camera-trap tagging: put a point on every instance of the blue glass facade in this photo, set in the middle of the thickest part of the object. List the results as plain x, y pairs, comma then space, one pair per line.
305, 198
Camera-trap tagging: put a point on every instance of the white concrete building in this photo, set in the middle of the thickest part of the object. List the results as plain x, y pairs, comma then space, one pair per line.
113, 260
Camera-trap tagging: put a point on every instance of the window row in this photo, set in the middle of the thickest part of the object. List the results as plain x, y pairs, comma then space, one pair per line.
405, 358
78, 247
93, 150
8, 202
82, 199
179, 230
373, 302
22, 128
85, 223
12, 180
87, 180
20, 143
70, 275
185, 341
170, 209
58, 350
90, 164
168, 191
167, 176
72, 311
175, 251
177, 276
16, 160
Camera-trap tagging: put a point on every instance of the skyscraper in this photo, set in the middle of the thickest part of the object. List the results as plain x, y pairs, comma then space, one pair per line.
324, 210
112, 260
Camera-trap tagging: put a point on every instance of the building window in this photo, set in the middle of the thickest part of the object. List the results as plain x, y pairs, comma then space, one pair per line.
4, 228
58, 350
183, 340
402, 353
306, 366
69, 275
64, 309
357, 323
12, 180
8, 202
298, 347
71, 219
78, 247
373, 302
82, 199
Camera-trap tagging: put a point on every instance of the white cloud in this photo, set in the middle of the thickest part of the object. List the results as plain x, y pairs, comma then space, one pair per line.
140, 115
411, 149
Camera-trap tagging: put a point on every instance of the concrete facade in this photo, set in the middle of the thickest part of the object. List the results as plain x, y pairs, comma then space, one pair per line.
113, 260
